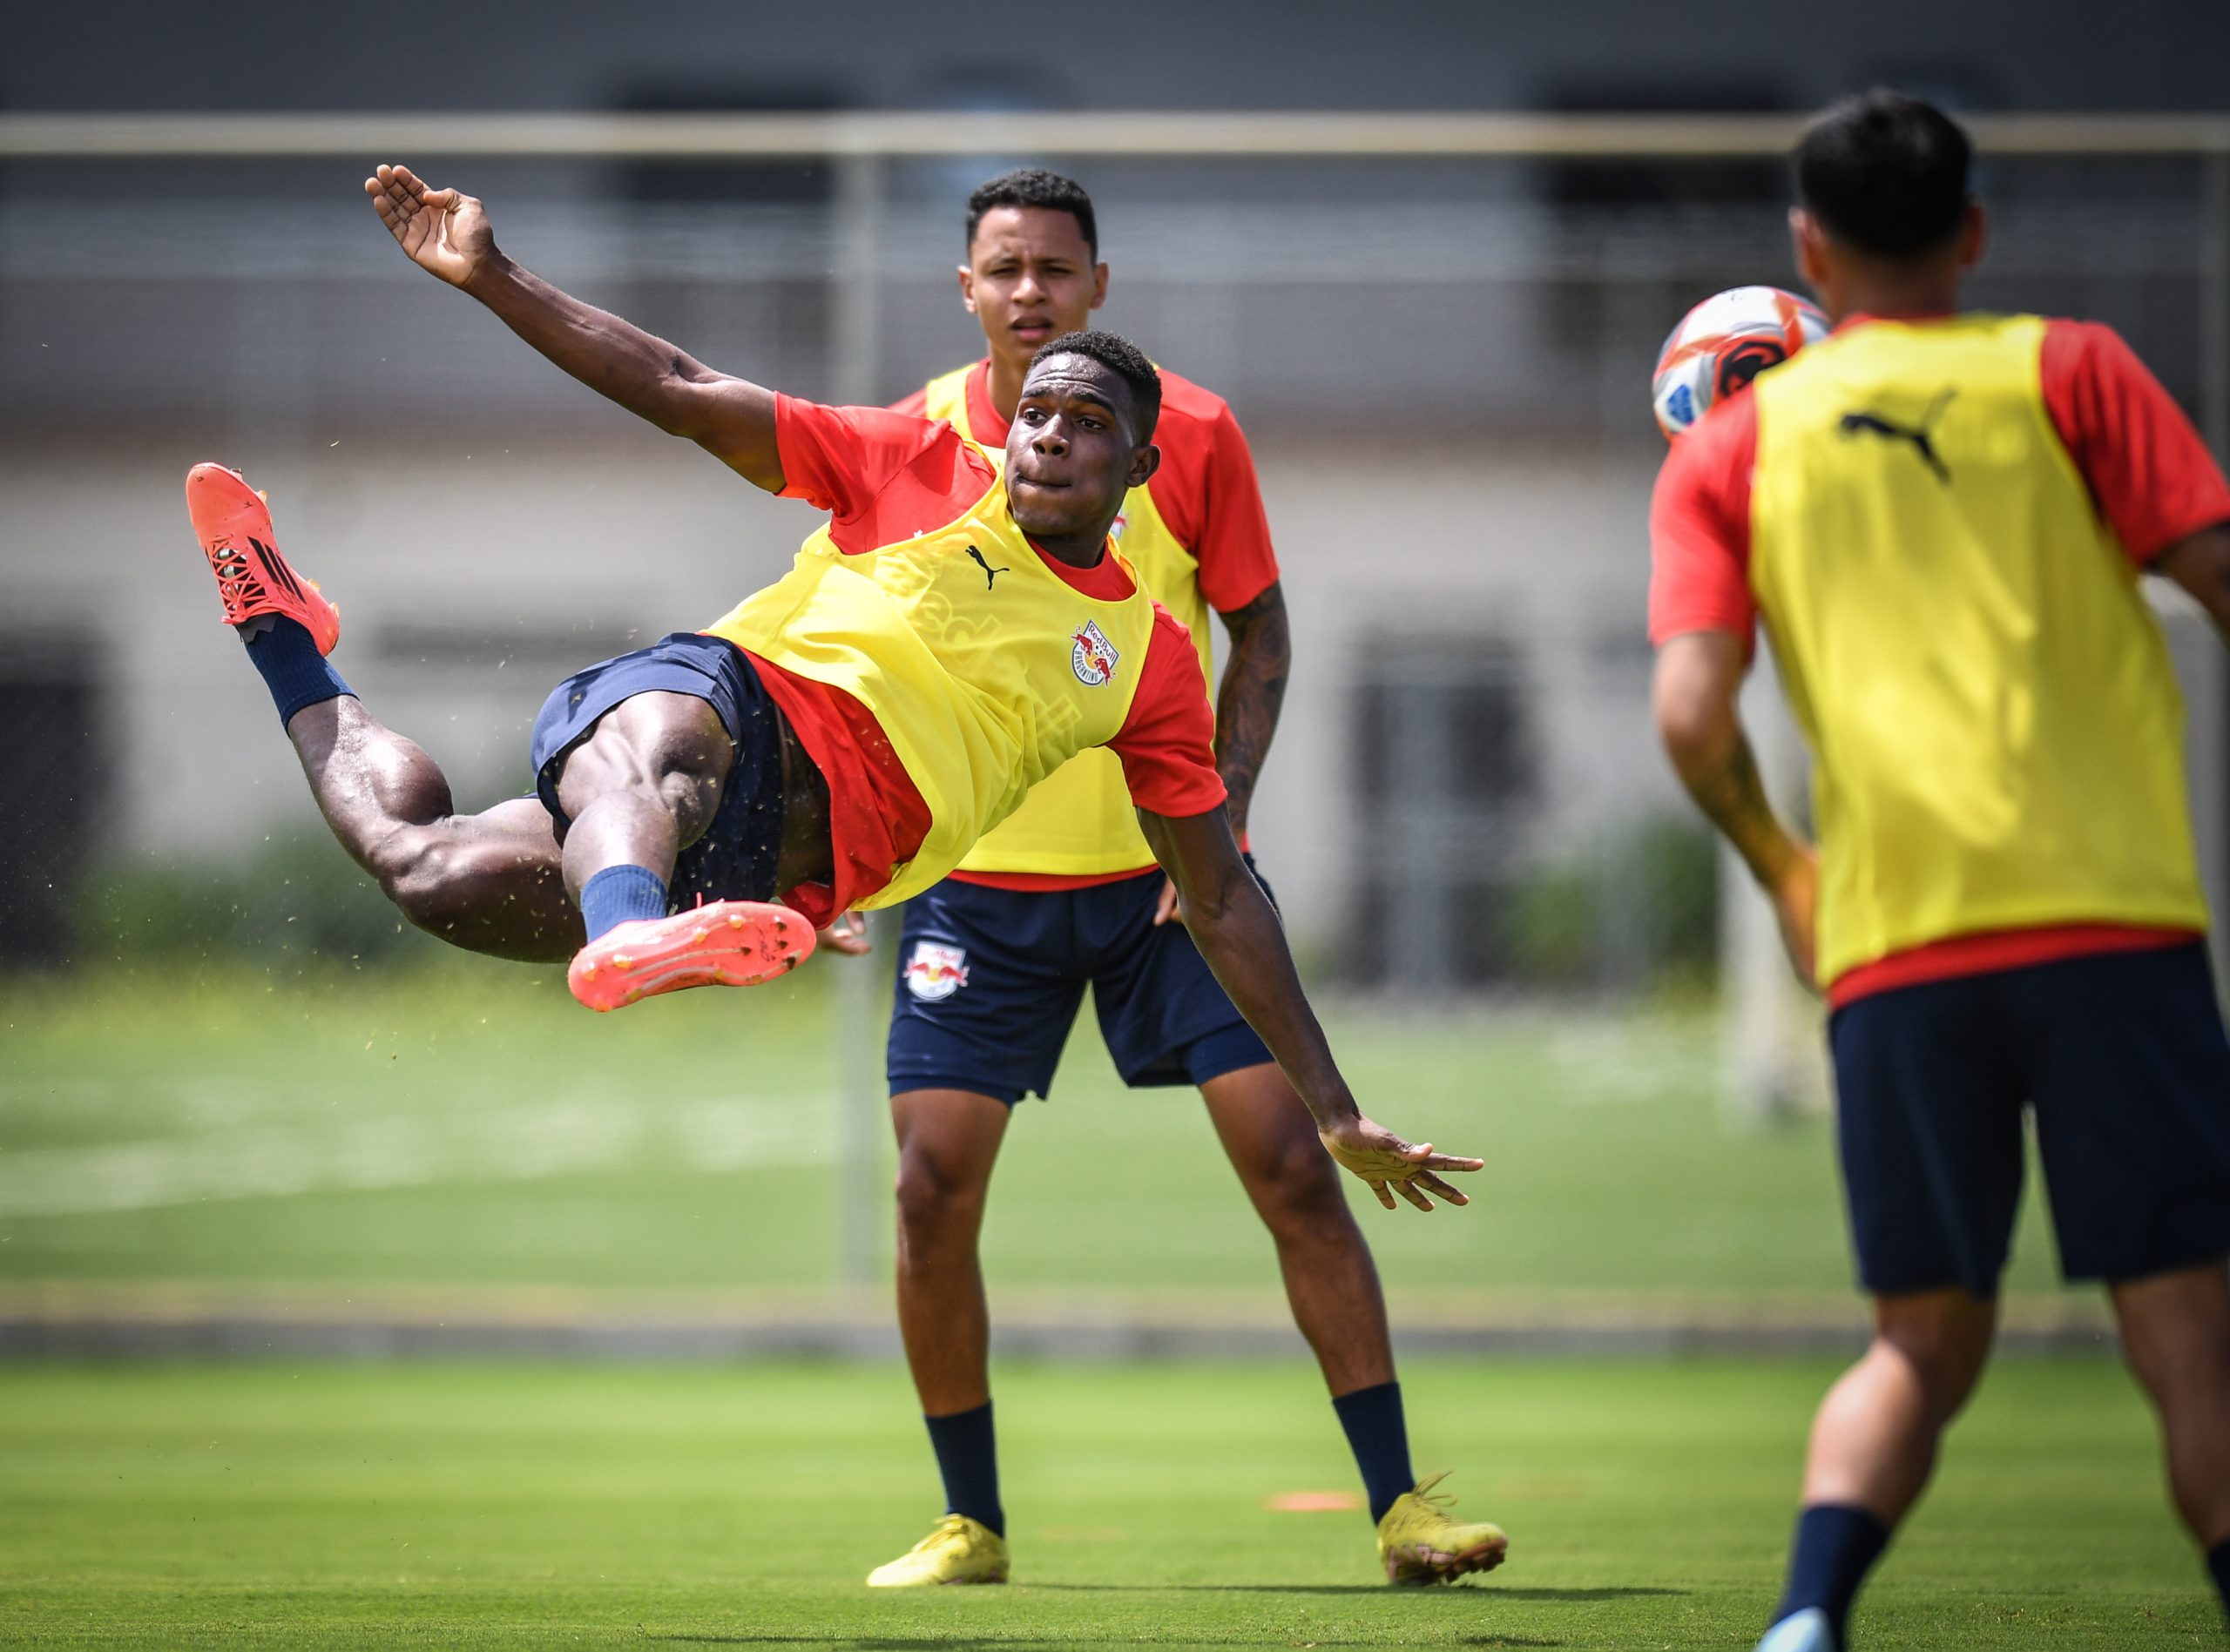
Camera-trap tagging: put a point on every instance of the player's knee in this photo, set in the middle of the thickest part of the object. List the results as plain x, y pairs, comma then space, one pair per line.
424, 875
1944, 1350
1296, 1188
936, 1199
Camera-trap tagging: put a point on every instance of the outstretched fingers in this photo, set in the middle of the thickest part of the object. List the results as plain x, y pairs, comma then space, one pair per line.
1431, 1184
1426, 1159
1409, 1191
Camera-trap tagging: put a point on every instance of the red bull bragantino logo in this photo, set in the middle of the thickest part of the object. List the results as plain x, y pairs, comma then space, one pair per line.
935, 971
1092, 655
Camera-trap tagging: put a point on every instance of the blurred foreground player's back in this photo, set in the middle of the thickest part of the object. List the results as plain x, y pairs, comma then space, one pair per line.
1943, 520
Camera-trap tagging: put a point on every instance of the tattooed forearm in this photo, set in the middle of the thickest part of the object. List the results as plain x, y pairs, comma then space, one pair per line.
1252, 691
1729, 789
1698, 676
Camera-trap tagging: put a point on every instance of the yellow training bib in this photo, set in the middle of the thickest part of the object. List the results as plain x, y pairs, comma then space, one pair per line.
1080, 821
987, 671
1998, 734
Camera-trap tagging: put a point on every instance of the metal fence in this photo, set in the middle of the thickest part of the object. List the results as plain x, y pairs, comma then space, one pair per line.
1438, 328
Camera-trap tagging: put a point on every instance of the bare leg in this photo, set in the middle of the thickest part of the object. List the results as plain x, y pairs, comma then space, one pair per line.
2176, 1335
1331, 1282
643, 785
947, 1143
1874, 1441
486, 882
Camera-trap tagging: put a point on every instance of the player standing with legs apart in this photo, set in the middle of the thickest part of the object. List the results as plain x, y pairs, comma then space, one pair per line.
840, 738
994, 961
1942, 519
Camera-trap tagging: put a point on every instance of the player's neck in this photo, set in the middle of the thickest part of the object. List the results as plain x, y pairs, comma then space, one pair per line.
1074, 551
1892, 292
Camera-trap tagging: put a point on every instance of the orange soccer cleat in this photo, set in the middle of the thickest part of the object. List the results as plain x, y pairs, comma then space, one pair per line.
724, 943
234, 524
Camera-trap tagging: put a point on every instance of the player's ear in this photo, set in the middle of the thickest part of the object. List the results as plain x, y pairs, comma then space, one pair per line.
1144, 463
968, 289
1974, 234
1807, 246
1098, 285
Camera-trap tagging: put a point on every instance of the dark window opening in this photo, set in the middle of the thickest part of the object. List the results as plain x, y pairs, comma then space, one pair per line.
50, 820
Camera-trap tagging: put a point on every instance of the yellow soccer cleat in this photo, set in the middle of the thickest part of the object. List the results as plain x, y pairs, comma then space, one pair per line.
1420, 1544
958, 1550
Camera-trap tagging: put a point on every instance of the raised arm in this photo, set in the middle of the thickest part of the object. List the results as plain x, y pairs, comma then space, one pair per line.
1698, 674
1236, 931
448, 233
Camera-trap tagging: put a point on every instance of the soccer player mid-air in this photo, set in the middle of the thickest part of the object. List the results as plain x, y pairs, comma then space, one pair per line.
1943, 518
994, 961
840, 738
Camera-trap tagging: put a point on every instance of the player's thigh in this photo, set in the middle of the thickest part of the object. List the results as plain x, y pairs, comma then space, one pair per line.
987, 990
493, 882
2130, 1069
1166, 1019
1927, 1120
669, 744
2175, 1326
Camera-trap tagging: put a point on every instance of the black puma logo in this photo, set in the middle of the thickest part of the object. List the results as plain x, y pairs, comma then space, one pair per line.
1918, 435
990, 573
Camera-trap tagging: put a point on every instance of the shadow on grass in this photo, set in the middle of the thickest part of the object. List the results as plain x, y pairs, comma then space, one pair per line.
1498, 1590
872, 1642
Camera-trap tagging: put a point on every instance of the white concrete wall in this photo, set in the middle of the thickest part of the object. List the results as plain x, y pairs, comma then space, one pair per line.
579, 548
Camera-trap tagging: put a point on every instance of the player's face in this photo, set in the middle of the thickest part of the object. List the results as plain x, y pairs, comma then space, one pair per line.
1029, 278
1070, 456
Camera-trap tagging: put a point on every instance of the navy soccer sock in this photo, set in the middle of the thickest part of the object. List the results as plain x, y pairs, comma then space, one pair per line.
286, 657
1379, 1436
1836, 1545
620, 895
2218, 1563
968, 1459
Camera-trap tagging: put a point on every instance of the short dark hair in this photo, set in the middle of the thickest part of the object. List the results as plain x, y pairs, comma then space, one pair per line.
1034, 186
1886, 173
1127, 361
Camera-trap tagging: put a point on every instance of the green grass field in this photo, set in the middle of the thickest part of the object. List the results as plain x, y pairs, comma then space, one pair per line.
466, 1129
529, 1505
470, 1124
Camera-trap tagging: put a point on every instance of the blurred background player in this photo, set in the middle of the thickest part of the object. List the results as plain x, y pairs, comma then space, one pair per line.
993, 962
1943, 518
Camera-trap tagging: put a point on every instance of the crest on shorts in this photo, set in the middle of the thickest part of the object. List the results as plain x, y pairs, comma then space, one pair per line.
1092, 654
934, 971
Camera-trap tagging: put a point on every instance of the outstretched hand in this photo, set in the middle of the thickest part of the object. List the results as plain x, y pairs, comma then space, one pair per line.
1390, 1165
443, 229
848, 936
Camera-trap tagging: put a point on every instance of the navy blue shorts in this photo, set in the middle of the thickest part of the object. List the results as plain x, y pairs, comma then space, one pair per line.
735, 858
990, 982
2122, 1058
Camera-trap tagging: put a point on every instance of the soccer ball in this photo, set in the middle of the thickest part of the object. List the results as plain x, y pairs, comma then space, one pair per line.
1724, 343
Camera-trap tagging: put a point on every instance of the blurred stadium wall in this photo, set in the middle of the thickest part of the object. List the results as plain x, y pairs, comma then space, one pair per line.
1442, 361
